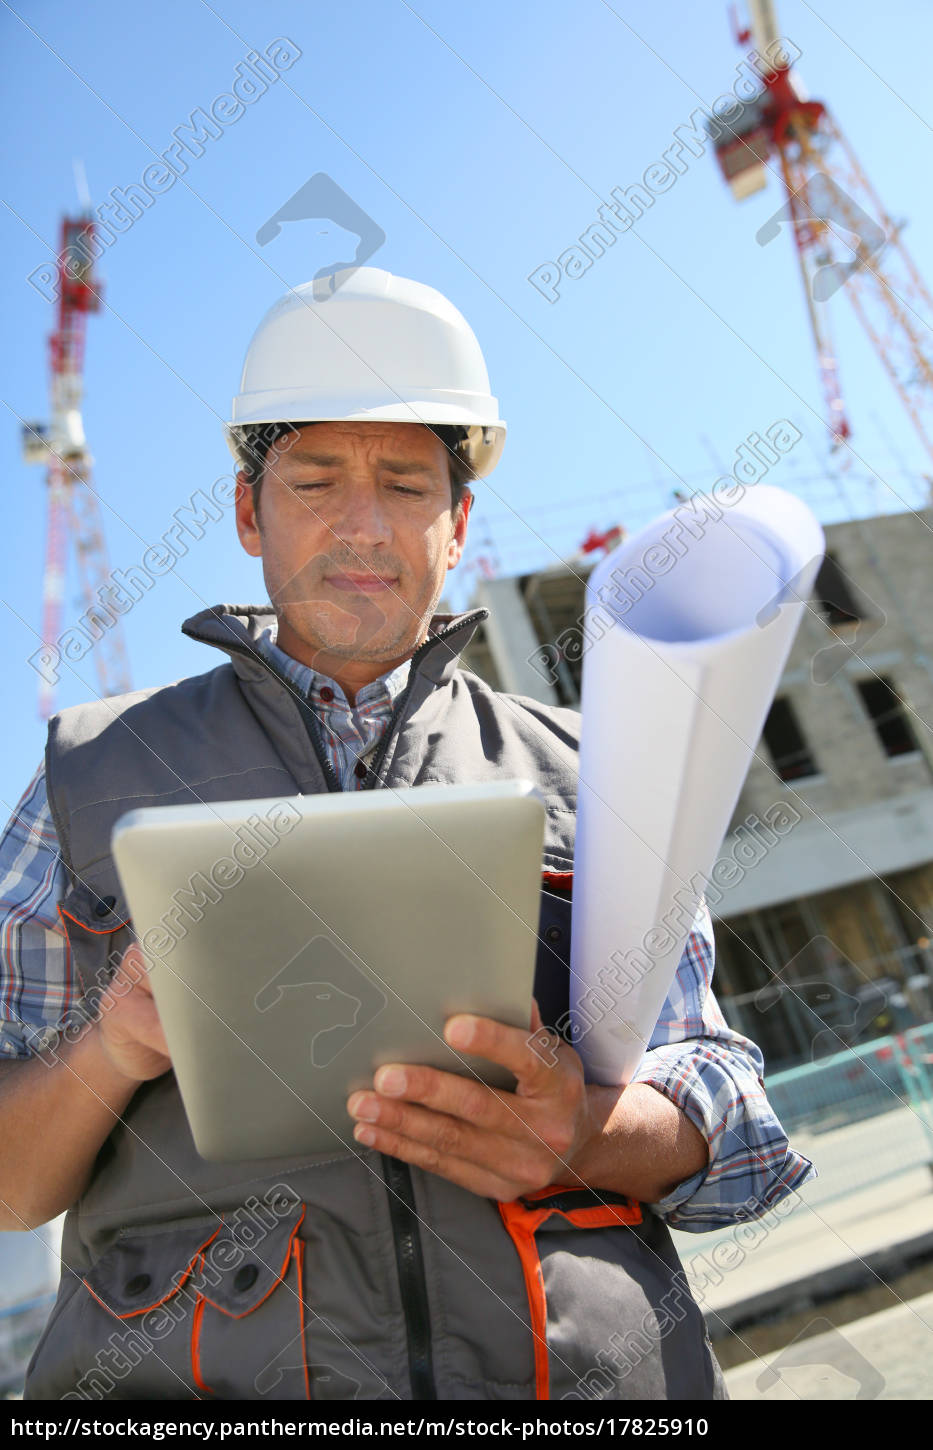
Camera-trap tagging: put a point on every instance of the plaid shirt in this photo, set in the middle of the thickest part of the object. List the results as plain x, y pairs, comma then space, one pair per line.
712, 1073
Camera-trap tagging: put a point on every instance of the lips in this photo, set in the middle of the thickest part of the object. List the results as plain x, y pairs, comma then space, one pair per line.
360, 583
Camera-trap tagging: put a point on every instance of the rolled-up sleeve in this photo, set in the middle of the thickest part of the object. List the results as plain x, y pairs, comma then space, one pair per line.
715, 1076
36, 986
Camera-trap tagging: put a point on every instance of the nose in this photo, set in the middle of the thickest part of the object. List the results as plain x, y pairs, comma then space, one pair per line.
364, 521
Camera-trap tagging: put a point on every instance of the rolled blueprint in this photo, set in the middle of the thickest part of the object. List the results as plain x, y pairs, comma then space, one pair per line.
688, 627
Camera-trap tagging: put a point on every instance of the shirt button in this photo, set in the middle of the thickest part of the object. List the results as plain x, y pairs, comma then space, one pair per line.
360, 770
553, 934
105, 907
137, 1285
326, 694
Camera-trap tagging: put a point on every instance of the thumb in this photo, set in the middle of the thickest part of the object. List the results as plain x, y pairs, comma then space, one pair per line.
133, 968
536, 1020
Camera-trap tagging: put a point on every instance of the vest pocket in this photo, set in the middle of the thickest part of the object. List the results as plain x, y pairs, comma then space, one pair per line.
610, 1309
96, 903
95, 919
523, 1217
145, 1267
203, 1308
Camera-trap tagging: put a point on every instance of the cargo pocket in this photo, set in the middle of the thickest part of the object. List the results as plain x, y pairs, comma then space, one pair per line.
523, 1217
209, 1308
137, 1328
609, 1305
95, 918
248, 1330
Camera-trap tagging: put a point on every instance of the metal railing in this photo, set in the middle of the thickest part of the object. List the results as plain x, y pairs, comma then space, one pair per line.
878, 1077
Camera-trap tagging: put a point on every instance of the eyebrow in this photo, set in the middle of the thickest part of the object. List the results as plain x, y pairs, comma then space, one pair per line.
334, 460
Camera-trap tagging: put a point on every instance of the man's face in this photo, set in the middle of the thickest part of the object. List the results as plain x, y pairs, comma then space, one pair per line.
356, 538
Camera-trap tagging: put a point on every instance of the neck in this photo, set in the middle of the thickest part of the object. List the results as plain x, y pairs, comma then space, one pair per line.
350, 674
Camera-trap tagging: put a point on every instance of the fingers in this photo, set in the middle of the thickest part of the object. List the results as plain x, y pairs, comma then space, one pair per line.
445, 1136
138, 1016
498, 1144
133, 970
129, 1019
484, 1162
442, 1092
510, 1047
461, 1118
150, 1028
466, 1175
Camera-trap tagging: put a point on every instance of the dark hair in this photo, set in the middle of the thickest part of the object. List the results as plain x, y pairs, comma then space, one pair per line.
254, 441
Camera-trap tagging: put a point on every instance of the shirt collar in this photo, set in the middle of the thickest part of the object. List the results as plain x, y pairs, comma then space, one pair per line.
234, 629
307, 680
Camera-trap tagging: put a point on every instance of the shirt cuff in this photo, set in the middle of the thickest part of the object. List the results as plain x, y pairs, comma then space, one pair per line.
751, 1164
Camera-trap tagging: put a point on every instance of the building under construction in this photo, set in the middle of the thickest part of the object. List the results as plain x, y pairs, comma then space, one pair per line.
824, 923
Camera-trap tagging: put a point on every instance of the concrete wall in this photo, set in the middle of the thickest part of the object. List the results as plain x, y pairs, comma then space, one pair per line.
864, 813
889, 561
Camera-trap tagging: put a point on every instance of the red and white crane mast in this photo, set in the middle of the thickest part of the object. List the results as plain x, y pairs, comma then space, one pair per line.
73, 510
843, 236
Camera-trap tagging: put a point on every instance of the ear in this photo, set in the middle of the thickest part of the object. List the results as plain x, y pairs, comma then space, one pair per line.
247, 524
458, 537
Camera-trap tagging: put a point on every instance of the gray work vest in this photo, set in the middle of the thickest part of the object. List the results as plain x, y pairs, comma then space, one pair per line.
334, 1275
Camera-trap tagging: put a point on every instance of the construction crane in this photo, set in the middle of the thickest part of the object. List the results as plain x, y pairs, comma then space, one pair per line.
844, 237
73, 511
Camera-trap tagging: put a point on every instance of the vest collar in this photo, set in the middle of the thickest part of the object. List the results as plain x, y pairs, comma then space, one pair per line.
234, 629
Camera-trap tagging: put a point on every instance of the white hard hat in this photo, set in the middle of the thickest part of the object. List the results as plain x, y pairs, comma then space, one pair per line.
364, 345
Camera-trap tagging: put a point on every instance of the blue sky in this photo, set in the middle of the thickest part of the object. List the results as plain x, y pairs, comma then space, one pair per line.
481, 139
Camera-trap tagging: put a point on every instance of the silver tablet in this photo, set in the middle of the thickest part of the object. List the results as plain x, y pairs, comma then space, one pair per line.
295, 945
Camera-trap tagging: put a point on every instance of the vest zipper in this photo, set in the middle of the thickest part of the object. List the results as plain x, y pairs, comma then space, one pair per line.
372, 779
406, 1230
400, 1190
409, 1262
313, 726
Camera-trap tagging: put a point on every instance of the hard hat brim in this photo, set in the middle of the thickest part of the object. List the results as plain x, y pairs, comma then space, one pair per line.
482, 447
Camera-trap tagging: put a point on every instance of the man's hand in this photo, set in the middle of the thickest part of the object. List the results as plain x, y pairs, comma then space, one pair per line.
497, 1144
130, 1033
75, 1104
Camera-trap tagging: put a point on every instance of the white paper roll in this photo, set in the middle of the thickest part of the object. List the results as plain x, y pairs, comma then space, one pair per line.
689, 626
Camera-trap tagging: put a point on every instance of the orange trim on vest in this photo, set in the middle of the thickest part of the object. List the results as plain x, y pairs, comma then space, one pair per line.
196, 1344
604, 1215
560, 880
131, 1314
94, 930
298, 1250
521, 1221
275, 1282
601, 1215
520, 1224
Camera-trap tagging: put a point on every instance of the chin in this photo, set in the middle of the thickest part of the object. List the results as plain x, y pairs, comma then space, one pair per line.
355, 628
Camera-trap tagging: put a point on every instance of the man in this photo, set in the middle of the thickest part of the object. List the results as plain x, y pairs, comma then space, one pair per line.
480, 1245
